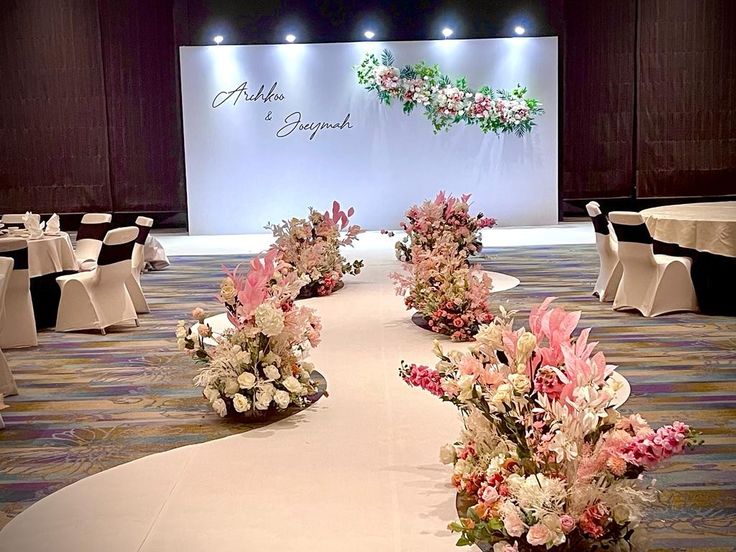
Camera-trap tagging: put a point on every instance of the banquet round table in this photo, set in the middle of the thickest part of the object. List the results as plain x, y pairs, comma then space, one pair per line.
705, 232
48, 258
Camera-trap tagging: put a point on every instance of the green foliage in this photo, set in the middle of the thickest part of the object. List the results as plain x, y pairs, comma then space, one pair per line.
515, 115
387, 58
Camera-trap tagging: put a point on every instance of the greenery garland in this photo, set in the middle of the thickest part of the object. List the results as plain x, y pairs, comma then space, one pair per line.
448, 102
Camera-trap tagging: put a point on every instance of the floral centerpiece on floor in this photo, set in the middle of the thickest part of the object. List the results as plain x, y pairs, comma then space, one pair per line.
545, 461
311, 248
438, 278
446, 218
446, 102
260, 364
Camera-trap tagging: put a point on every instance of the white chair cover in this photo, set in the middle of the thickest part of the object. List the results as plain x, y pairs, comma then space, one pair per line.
92, 230
652, 284
7, 382
13, 219
133, 282
99, 299
609, 273
154, 254
20, 324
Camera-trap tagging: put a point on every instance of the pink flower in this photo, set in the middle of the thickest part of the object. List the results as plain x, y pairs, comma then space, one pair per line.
594, 520
648, 450
567, 522
426, 378
490, 494
198, 314
539, 535
513, 523
204, 330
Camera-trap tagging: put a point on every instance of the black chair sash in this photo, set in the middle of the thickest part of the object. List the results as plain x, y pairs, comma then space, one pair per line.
111, 254
600, 224
19, 256
93, 231
142, 234
637, 233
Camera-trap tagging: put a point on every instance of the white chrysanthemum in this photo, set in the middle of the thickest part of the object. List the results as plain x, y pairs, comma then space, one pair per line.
269, 319
537, 492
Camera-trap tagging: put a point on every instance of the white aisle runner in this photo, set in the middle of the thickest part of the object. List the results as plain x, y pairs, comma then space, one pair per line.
357, 471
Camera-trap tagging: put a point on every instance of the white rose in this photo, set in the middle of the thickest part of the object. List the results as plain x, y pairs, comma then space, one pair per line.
292, 384
272, 372
219, 406
272, 358
448, 454
465, 384
246, 380
263, 401
241, 403
282, 399
231, 386
520, 382
211, 393
269, 319
308, 367
181, 332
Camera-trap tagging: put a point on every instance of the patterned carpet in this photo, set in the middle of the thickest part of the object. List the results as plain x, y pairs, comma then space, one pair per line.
90, 402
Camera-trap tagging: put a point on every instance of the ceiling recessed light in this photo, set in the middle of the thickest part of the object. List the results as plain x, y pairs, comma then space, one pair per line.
369, 34
218, 39
290, 38
447, 32
519, 30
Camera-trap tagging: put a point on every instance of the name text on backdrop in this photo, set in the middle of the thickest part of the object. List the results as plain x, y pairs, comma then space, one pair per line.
293, 121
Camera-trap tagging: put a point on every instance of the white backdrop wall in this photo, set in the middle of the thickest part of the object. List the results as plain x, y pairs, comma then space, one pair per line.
244, 168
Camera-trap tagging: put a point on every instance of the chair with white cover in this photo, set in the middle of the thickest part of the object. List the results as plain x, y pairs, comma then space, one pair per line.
7, 382
20, 323
609, 273
13, 220
133, 283
652, 284
98, 299
92, 231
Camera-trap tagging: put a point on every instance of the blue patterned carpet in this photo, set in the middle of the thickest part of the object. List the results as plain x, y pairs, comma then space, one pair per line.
89, 402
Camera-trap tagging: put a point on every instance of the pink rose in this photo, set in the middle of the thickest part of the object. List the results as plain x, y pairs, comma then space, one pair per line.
539, 535
513, 524
204, 331
490, 494
198, 314
567, 523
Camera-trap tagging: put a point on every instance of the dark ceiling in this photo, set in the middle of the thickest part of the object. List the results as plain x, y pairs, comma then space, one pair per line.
264, 21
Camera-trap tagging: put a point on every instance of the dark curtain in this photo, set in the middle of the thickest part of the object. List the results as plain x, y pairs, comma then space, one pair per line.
599, 45
687, 98
144, 125
53, 136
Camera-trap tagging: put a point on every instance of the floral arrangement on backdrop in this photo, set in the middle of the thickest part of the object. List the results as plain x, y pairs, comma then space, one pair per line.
447, 102
438, 278
311, 248
544, 461
260, 364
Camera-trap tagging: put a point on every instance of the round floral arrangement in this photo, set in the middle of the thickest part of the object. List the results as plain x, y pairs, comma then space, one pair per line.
446, 218
446, 102
311, 248
438, 278
260, 364
545, 461
451, 295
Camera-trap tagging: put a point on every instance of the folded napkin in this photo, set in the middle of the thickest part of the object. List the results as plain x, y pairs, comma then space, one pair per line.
53, 225
32, 223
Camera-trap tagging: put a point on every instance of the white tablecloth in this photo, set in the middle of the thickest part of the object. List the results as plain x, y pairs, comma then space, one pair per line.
50, 254
706, 227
